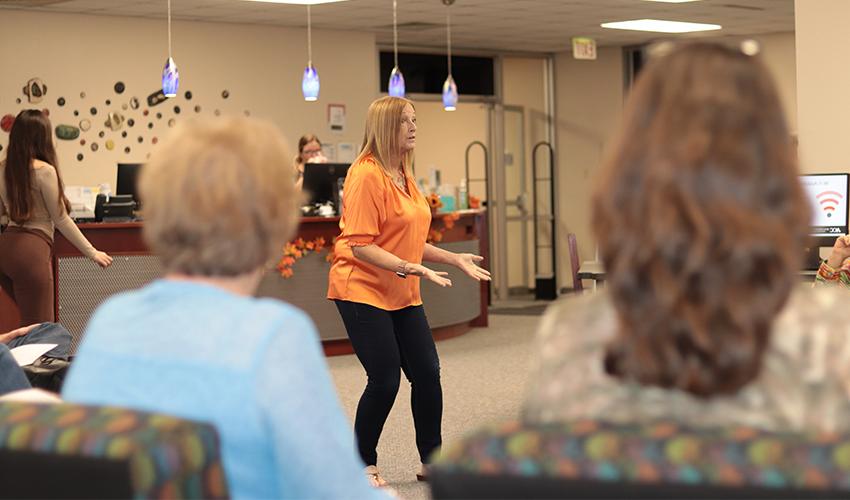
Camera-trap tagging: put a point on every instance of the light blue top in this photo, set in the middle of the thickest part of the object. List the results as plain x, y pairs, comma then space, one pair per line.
252, 367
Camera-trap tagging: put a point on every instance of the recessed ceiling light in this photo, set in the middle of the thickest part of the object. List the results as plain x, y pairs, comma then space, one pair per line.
661, 26
298, 2
673, 1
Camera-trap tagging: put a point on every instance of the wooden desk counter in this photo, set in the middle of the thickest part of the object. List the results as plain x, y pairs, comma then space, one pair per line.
81, 285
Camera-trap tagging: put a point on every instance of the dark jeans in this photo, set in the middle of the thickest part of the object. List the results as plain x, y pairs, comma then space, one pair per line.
12, 377
385, 341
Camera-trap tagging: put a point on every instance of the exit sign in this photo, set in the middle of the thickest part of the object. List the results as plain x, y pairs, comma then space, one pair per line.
584, 48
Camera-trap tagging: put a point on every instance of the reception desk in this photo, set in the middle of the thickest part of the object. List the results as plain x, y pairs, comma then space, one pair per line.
81, 286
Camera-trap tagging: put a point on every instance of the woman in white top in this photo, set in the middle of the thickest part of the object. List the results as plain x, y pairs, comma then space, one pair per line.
32, 197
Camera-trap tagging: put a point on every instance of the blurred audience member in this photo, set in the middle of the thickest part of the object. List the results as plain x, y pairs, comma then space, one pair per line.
836, 268
701, 222
198, 345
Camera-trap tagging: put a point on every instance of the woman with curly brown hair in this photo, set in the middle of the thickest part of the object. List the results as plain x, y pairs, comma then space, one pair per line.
701, 221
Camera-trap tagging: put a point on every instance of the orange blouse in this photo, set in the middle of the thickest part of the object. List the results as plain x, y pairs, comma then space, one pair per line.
377, 211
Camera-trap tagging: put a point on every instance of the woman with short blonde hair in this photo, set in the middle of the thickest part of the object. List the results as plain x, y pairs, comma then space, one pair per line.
196, 344
217, 202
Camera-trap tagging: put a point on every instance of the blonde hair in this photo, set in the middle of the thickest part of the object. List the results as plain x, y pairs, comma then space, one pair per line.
219, 197
380, 139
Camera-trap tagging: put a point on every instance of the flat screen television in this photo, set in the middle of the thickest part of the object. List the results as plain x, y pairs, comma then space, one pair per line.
827, 195
128, 174
321, 181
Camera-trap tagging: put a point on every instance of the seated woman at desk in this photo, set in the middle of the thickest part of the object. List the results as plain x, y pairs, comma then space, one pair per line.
198, 345
836, 268
309, 151
701, 223
32, 195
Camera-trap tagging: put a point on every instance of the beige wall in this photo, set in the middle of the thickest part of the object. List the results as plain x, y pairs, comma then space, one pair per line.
778, 51
523, 84
589, 100
260, 66
823, 80
442, 137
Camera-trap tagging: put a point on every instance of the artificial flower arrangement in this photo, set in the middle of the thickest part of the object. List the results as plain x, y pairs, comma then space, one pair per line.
434, 202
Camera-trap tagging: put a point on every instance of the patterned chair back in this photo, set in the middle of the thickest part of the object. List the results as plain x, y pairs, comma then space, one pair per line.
592, 459
67, 450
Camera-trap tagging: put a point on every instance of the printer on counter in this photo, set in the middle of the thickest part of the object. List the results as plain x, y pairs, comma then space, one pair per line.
114, 208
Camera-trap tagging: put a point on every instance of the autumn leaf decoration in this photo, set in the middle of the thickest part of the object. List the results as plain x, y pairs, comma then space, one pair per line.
298, 249
435, 235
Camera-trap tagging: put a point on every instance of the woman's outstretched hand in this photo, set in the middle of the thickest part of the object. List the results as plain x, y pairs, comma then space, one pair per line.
438, 277
468, 263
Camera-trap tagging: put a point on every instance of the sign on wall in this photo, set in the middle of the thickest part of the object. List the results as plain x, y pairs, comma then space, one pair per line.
584, 48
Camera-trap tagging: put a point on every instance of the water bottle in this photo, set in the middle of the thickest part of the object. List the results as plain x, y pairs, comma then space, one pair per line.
462, 196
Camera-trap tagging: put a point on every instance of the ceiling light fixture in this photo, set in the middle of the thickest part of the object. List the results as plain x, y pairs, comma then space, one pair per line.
449, 86
661, 26
170, 77
310, 81
396, 85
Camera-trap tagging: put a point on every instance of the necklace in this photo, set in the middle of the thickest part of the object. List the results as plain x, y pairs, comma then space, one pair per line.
399, 179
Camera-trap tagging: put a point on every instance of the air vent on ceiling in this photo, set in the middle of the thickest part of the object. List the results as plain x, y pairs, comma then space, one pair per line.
29, 3
742, 7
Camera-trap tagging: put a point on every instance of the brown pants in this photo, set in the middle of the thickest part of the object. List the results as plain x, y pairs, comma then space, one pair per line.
26, 273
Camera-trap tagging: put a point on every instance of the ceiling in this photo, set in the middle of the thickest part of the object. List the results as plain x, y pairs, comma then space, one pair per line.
490, 25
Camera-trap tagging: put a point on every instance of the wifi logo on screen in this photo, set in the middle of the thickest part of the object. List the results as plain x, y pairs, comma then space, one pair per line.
829, 201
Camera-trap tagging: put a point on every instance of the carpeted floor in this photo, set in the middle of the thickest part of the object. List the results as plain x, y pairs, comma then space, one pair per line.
530, 310
483, 374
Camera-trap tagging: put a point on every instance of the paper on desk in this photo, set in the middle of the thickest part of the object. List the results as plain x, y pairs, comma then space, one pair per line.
27, 354
31, 396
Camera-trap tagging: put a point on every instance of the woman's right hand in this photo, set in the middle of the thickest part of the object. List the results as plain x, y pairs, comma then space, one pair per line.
438, 277
840, 252
102, 259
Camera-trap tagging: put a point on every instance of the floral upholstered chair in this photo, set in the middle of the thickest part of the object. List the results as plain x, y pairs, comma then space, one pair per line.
67, 450
591, 459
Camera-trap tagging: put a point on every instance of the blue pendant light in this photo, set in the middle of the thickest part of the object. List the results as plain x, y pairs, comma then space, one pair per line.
449, 94
170, 77
310, 80
396, 85
310, 83
449, 86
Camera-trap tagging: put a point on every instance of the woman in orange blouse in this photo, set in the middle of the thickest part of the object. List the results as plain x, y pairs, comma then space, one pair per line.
375, 275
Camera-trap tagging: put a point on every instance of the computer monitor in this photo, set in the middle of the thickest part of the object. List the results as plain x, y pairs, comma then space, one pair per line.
126, 183
827, 195
321, 181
